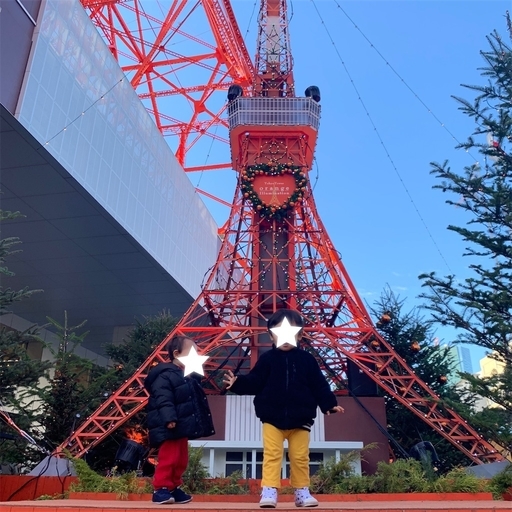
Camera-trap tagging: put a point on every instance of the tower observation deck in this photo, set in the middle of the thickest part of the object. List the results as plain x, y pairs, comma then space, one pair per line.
254, 136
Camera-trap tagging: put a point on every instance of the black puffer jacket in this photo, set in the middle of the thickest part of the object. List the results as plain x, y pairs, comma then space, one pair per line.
179, 399
288, 386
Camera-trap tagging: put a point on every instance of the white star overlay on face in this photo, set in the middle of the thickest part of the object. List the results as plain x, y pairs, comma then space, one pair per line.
286, 333
193, 362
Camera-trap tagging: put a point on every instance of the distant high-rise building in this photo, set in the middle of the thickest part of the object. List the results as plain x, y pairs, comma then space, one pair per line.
465, 359
461, 357
491, 366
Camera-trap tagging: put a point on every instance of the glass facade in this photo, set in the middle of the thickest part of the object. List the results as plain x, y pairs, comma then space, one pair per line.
77, 102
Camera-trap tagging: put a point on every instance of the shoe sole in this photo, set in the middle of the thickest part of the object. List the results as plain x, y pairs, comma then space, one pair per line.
165, 502
184, 501
267, 505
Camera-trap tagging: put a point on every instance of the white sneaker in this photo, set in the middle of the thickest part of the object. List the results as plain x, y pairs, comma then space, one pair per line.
268, 497
303, 498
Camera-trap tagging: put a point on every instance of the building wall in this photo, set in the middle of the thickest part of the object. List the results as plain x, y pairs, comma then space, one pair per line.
79, 105
218, 408
44, 350
17, 24
242, 425
490, 367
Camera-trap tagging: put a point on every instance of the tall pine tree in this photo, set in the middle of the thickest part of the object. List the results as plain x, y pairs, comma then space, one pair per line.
126, 358
412, 338
480, 306
67, 397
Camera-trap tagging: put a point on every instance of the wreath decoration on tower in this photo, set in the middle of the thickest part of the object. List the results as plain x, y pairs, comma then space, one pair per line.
273, 210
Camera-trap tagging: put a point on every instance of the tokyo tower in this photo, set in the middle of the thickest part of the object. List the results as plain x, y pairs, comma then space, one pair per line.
275, 251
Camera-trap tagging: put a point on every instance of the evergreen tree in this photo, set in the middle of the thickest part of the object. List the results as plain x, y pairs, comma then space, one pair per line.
141, 341
411, 336
126, 358
19, 374
67, 397
480, 306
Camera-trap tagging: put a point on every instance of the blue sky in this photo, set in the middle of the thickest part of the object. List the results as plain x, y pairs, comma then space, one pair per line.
363, 196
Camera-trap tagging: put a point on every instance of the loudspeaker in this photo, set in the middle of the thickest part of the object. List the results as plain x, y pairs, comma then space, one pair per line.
358, 382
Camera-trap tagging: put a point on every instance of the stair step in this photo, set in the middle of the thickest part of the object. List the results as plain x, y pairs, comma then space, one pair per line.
73, 505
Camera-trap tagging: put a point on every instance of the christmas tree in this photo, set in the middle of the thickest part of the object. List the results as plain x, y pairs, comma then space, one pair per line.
480, 306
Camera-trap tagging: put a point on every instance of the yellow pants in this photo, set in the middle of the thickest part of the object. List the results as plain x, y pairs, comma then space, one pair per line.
298, 453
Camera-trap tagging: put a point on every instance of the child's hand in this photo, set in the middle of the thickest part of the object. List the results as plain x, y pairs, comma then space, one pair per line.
229, 379
171, 424
338, 408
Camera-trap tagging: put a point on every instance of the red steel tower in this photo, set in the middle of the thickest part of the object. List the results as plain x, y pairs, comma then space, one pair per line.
276, 253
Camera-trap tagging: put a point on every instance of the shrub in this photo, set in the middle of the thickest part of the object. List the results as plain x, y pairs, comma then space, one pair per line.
196, 474
90, 481
355, 484
229, 485
332, 475
457, 480
403, 475
501, 482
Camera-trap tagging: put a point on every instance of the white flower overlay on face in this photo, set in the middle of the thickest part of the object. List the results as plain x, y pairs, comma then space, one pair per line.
193, 362
286, 333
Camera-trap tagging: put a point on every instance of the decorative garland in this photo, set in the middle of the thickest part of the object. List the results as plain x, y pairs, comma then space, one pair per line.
248, 175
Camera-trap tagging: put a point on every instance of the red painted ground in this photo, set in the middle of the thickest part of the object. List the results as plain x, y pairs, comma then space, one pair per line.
340, 506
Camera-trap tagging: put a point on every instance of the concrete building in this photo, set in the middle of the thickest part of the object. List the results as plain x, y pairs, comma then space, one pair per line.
112, 228
489, 367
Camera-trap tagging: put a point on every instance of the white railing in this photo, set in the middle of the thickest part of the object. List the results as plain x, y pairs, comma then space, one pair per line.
273, 112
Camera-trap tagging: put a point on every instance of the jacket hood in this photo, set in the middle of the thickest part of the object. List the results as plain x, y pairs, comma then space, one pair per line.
157, 370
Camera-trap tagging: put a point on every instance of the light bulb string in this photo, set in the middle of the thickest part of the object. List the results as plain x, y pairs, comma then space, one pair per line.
377, 133
79, 116
401, 78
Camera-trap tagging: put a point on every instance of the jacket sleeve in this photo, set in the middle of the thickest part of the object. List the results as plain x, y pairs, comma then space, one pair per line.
163, 393
254, 382
325, 398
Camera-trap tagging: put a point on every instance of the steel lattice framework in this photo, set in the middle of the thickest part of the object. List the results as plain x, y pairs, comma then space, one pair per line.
278, 254
228, 323
162, 56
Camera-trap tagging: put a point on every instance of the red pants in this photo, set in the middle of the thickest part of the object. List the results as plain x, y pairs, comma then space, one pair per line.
172, 463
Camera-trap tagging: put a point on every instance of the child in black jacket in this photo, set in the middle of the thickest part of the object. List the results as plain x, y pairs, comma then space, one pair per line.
177, 411
288, 386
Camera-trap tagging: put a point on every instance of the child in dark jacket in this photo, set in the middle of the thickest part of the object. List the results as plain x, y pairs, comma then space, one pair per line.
288, 386
177, 411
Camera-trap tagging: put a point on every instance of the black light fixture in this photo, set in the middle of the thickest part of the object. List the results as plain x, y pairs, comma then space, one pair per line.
234, 92
129, 456
313, 92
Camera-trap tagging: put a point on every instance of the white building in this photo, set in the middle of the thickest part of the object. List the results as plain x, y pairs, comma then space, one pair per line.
237, 443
